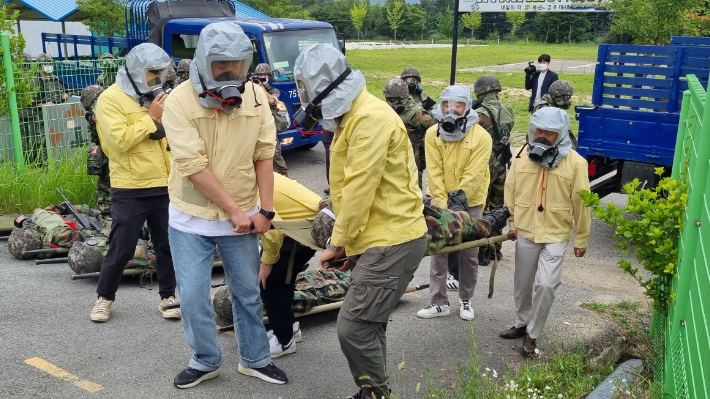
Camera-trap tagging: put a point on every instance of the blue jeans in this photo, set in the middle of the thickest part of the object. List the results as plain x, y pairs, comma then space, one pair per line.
193, 256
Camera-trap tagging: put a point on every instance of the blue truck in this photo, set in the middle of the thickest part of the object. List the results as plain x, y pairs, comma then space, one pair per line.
276, 41
630, 129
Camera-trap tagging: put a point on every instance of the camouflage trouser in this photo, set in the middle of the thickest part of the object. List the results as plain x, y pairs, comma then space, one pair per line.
103, 194
279, 163
32, 134
417, 141
495, 190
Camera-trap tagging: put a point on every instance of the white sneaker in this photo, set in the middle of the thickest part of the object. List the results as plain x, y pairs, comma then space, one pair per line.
296, 333
173, 313
451, 283
465, 309
278, 350
102, 310
434, 311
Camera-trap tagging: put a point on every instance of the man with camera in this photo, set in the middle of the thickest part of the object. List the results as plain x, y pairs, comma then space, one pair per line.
377, 203
539, 79
128, 115
222, 137
542, 194
263, 74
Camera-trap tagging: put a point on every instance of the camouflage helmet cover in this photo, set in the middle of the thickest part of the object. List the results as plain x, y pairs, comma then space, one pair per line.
170, 75
89, 95
106, 56
22, 240
561, 88
396, 88
26, 57
184, 65
222, 303
84, 257
263, 69
323, 226
410, 72
44, 57
486, 84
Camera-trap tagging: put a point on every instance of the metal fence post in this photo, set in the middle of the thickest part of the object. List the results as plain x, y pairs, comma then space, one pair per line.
12, 101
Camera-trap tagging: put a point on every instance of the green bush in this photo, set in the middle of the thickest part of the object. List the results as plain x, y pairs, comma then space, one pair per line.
651, 223
36, 186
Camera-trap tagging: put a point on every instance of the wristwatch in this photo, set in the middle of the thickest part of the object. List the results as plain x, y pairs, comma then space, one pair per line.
269, 214
331, 247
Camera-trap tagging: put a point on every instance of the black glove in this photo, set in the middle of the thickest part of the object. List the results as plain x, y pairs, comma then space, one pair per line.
158, 134
457, 201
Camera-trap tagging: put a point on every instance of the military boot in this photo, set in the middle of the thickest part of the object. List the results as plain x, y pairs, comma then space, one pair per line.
497, 217
484, 256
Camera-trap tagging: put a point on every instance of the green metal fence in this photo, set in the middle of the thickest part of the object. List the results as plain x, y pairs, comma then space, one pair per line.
684, 336
51, 118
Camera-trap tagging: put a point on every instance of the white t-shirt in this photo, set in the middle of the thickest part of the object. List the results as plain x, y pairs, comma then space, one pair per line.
186, 223
538, 94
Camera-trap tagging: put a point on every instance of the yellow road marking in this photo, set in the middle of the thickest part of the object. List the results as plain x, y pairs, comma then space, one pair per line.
226, 332
55, 371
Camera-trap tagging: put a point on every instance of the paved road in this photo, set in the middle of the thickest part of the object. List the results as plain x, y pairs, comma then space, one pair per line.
43, 314
564, 66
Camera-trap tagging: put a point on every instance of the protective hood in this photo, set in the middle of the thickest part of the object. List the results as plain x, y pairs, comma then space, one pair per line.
554, 120
316, 68
462, 123
141, 59
220, 41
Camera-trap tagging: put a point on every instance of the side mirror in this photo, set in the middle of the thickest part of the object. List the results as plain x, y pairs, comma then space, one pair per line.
342, 45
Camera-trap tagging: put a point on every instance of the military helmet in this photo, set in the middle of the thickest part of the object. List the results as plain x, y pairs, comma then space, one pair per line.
106, 56
26, 57
263, 69
170, 75
486, 84
44, 57
89, 95
184, 65
561, 88
85, 257
396, 88
323, 226
222, 304
410, 72
22, 240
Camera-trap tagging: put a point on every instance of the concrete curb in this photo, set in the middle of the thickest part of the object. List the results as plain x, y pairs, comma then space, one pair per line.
621, 378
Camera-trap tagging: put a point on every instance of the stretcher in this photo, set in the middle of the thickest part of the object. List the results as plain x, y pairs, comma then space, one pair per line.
300, 231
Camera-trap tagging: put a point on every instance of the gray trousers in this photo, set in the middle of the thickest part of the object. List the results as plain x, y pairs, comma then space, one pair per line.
468, 270
534, 294
379, 278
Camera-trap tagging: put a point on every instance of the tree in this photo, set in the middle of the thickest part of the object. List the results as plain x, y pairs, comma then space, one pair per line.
24, 87
415, 20
106, 17
394, 15
281, 9
471, 20
561, 27
358, 13
516, 19
445, 24
650, 21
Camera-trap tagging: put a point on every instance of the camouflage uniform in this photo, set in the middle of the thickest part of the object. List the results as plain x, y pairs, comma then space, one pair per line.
170, 79
183, 70
97, 163
558, 96
415, 90
486, 89
280, 120
415, 119
109, 69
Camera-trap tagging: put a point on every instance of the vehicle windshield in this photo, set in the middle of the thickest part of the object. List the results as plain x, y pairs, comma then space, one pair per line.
283, 47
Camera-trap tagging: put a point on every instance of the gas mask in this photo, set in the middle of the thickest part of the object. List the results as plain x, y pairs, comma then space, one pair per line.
396, 105
308, 116
154, 79
540, 148
453, 126
413, 86
562, 101
230, 80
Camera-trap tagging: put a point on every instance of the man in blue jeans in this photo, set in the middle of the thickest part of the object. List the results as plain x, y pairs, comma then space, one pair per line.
222, 137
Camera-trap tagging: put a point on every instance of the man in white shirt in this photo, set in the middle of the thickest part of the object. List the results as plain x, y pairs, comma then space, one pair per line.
539, 79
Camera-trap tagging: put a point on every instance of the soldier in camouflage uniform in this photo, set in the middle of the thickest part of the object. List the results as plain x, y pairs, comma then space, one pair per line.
494, 116
97, 162
415, 119
183, 70
31, 130
558, 96
171, 79
109, 69
413, 78
263, 71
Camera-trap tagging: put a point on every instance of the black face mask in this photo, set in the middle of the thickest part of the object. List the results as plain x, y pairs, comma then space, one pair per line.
145, 99
450, 121
540, 148
397, 107
415, 88
307, 116
229, 95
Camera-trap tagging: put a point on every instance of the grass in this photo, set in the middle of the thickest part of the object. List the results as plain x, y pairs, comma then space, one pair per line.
556, 375
36, 186
379, 66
